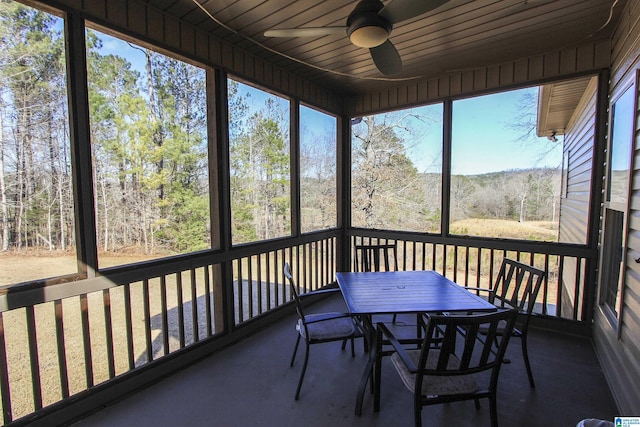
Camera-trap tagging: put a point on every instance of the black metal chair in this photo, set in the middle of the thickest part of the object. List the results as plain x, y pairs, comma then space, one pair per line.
444, 370
378, 257
517, 287
319, 328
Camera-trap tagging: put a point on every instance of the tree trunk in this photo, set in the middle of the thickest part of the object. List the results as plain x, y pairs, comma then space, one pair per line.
4, 213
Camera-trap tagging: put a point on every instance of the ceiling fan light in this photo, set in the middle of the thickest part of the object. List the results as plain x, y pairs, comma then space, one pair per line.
369, 36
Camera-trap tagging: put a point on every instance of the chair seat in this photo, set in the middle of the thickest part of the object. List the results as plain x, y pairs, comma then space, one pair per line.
327, 329
435, 385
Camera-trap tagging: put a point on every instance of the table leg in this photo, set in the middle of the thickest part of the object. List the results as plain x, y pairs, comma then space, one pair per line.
370, 331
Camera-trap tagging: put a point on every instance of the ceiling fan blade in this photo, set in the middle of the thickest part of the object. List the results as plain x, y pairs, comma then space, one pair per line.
306, 32
386, 58
400, 10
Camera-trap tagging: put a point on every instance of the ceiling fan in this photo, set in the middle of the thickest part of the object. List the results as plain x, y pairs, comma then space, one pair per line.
369, 26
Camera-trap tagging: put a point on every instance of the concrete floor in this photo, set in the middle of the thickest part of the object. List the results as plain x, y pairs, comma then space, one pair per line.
251, 384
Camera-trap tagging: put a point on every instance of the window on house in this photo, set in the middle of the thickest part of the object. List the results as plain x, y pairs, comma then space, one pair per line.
36, 194
505, 180
148, 121
616, 203
260, 165
318, 139
396, 175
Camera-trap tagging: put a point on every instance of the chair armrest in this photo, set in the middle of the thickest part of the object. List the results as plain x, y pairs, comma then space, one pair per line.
320, 292
332, 285
322, 317
395, 343
490, 291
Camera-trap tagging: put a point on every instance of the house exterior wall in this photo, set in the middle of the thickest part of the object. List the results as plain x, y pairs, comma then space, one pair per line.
579, 138
578, 155
618, 345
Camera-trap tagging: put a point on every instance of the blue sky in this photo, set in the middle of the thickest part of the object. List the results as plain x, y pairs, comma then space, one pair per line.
484, 141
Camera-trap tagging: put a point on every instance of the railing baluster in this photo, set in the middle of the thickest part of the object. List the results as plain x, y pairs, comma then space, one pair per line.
576, 292
433, 250
194, 306
466, 266
7, 413
280, 275
34, 357
275, 270
444, 260
129, 325
86, 338
545, 285
478, 268
559, 287
268, 280
239, 289
250, 281
308, 286
147, 320
313, 265
62, 353
207, 299
180, 298
259, 283
108, 332
164, 315
491, 269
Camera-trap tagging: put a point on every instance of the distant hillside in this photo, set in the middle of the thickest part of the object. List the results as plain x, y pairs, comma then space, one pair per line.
516, 195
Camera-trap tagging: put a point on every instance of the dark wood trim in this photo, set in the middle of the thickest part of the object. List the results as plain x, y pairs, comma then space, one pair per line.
80, 135
447, 133
294, 161
549, 248
223, 272
597, 197
215, 133
343, 243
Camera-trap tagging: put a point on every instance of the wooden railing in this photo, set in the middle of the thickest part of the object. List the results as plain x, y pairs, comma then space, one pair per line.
476, 262
258, 280
70, 335
76, 335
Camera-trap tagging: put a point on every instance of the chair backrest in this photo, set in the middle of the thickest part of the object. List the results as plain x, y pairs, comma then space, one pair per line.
517, 286
476, 340
375, 258
294, 291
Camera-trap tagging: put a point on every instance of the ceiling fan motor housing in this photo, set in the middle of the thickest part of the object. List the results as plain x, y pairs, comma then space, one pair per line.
365, 27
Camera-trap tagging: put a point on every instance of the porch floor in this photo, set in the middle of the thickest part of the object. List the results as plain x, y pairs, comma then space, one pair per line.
251, 384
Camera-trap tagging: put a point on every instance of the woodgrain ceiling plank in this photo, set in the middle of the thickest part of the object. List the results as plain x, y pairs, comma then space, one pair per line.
532, 33
494, 29
461, 34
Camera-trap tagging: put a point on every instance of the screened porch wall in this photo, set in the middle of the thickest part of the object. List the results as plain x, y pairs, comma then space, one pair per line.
227, 270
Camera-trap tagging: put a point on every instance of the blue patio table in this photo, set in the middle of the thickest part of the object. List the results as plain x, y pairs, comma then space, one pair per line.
373, 293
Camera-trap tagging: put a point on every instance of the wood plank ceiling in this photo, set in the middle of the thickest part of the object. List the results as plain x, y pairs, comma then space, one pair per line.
461, 34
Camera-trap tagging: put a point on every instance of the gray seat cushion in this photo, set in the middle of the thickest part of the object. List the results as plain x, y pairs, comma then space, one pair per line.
327, 329
435, 385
